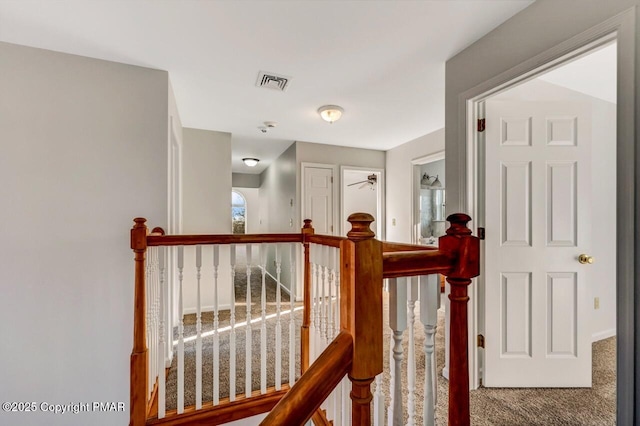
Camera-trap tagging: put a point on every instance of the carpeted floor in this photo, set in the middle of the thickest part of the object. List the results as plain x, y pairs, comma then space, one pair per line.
240, 338
594, 406
504, 407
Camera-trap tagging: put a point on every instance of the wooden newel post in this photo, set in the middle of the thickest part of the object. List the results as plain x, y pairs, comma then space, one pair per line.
139, 361
466, 249
307, 230
365, 300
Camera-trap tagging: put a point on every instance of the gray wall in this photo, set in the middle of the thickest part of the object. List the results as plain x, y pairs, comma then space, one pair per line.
245, 180
538, 28
83, 152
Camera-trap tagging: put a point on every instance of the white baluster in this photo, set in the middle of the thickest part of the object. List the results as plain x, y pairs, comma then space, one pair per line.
312, 315
263, 326
248, 338
429, 303
317, 349
198, 329
180, 333
232, 334
324, 252
412, 296
378, 402
331, 281
216, 336
292, 319
147, 284
161, 333
398, 323
346, 402
337, 283
278, 372
156, 315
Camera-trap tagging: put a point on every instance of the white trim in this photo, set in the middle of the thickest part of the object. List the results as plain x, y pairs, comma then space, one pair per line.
568, 50
381, 199
430, 158
601, 335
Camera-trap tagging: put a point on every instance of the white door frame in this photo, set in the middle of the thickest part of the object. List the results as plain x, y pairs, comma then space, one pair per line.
380, 195
622, 29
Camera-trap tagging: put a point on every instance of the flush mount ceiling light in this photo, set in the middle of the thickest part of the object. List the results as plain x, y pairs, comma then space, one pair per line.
251, 162
330, 113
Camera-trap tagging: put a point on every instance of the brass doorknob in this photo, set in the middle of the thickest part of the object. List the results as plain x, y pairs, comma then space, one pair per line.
585, 259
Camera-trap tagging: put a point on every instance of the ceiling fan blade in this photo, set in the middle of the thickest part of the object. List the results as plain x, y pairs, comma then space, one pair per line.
355, 183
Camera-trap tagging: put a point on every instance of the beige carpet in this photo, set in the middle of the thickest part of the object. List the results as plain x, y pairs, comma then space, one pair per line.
510, 407
595, 406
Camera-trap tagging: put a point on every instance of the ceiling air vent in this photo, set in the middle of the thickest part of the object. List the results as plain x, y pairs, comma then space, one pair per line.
273, 81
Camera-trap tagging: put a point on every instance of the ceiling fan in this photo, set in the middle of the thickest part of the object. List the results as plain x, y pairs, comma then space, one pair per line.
370, 182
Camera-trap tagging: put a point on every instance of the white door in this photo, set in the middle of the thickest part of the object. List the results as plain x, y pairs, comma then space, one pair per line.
537, 331
318, 198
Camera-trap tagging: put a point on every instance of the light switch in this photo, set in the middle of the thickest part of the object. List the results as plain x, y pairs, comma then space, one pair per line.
393, 222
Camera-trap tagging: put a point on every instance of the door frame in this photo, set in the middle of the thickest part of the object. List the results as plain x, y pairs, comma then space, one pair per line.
381, 207
621, 28
415, 191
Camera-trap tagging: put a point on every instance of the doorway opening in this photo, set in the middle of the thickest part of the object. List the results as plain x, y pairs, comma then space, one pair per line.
543, 168
238, 213
362, 191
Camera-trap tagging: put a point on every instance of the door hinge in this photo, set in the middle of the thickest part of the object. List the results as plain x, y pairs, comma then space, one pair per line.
331, 179
480, 341
332, 228
481, 233
481, 124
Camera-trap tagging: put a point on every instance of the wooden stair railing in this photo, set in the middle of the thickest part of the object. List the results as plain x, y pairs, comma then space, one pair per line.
315, 385
141, 404
363, 265
358, 349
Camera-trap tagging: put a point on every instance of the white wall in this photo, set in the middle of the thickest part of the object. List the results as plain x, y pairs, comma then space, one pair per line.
83, 152
399, 174
603, 177
277, 190
206, 204
356, 199
277, 193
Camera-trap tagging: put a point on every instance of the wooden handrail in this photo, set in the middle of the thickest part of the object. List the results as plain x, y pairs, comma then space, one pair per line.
326, 240
189, 240
315, 385
411, 263
391, 247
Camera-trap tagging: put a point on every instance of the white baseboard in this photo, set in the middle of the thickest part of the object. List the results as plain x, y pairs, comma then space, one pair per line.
601, 335
445, 373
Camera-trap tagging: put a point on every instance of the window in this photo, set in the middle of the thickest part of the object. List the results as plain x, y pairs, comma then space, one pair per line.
238, 213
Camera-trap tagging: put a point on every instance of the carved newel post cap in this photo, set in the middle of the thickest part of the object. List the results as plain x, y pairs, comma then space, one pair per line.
360, 229
459, 224
139, 222
307, 223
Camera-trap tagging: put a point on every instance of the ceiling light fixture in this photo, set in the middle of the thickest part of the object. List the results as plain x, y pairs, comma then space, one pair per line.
251, 162
330, 113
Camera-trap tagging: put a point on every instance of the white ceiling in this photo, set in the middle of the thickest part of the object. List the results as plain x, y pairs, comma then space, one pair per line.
593, 74
382, 61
